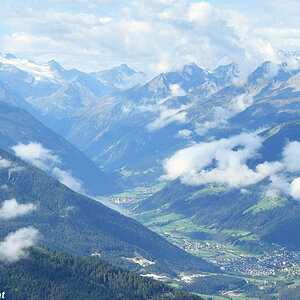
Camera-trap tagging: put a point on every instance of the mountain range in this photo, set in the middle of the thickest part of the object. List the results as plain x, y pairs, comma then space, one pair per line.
224, 147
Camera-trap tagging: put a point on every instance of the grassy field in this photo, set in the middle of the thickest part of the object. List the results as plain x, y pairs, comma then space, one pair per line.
265, 204
214, 243
213, 189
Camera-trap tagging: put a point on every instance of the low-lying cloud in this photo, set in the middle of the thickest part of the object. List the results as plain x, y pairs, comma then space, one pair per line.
36, 154
166, 115
67, 179
223, 114
291, 155
176, 90
194, 164
14, 246
184, 133
10, 165
5, 163
12, 209
295, 188
41, 157
225, 161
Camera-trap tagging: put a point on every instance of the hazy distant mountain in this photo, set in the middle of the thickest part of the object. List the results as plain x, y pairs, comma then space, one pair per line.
122, 77
138, 128
19, 127
50, 89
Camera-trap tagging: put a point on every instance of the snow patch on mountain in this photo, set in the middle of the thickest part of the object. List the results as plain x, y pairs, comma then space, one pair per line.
39, 72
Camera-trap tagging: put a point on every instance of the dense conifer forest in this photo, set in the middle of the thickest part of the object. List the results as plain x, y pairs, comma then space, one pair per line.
60, 276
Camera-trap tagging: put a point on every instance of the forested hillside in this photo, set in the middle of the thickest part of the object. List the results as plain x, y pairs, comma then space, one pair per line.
60, 276
72, 222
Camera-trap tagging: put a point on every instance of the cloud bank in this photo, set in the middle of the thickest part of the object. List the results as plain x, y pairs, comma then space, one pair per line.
14, 246
12, 209
154, 35
225, 161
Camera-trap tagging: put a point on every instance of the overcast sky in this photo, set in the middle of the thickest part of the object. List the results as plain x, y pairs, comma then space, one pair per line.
150, 35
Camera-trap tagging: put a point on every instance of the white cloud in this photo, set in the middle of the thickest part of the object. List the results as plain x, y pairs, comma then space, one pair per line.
184, 133
291, 156
43, 158
5, 163
191, 164
221, 115
176, 90
279, 184
285, 181
15, 168
12, 209
155, 35
225, 161
14, 246
105, 20
200, 12
11, 166
295, 188
36, 154
166, 115
67, 179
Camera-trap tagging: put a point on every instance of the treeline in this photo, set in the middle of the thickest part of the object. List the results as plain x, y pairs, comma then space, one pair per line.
211, 285
46, 275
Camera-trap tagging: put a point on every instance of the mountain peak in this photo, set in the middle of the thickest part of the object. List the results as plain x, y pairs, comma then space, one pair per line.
55, 66
190, 67
224, 74
264, 72
124, 68
232, 67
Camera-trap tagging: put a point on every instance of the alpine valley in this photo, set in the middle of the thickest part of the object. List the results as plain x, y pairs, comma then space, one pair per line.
202, 165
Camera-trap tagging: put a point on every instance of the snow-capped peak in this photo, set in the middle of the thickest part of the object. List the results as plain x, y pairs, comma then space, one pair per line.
39, 72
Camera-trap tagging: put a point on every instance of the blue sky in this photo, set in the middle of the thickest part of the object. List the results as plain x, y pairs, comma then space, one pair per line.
155, 36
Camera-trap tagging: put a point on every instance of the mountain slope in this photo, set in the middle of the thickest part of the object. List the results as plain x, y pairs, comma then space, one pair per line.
46, 275
71, 222
274, 219
18, 126
137, 128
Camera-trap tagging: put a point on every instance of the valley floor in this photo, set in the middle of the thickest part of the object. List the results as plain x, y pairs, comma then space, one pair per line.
269, 268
